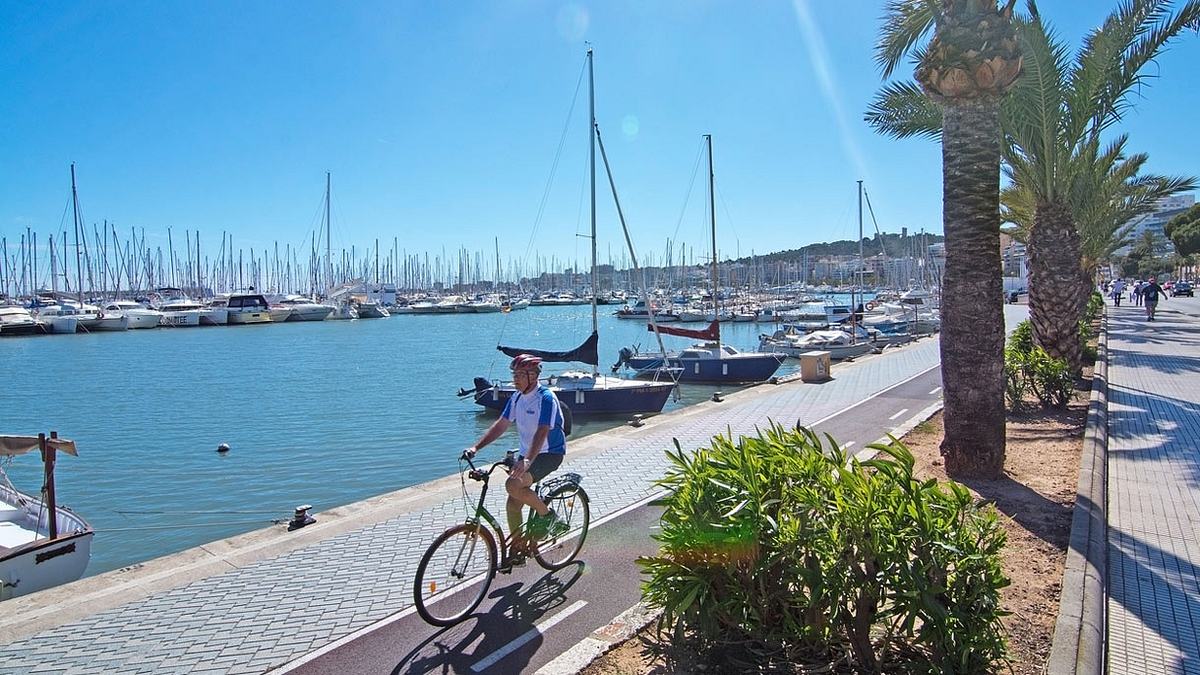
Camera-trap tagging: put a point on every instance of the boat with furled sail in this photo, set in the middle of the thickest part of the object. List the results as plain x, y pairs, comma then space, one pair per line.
42, 544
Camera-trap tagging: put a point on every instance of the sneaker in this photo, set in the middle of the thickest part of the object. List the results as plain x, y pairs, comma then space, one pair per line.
555, 526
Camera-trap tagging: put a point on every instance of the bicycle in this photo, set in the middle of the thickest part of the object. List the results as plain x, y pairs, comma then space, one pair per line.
468, 552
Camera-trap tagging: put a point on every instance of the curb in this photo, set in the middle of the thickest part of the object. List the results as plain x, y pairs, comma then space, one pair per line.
1078, 646
601, 641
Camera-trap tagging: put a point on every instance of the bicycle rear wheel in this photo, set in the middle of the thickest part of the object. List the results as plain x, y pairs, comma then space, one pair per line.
446, 589
570, 502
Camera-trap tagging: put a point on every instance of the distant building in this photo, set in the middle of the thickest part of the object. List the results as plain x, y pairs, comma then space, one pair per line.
1154, 222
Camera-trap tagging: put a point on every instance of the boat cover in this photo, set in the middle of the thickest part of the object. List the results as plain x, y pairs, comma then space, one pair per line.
713, 332
19, 445
587, 352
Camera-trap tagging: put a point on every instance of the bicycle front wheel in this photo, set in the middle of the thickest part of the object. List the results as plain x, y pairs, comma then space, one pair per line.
570, 502
448, 587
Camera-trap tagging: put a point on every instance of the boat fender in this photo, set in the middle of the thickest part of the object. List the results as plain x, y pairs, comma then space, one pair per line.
872, 305
223, 448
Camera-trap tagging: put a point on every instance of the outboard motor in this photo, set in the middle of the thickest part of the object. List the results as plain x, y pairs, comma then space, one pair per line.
623, 357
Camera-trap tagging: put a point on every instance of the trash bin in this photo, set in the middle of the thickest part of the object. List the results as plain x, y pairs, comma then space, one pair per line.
814, 366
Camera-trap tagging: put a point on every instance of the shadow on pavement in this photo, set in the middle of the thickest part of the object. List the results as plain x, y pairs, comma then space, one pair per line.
457, 648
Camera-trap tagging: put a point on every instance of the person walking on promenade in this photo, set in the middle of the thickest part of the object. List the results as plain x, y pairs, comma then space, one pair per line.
539, 419
1118, 289
1150, 293
1136, 293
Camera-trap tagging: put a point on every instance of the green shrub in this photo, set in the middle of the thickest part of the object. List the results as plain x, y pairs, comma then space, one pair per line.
777, 544
1022, 337
1050, 379
1095, 305
1015, 382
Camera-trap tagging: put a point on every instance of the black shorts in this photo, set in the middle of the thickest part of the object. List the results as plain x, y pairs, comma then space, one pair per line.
543, 465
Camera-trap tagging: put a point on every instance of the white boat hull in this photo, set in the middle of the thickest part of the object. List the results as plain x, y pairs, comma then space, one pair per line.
214, 316
111, 323
29, 560
60, 324
237, 318
140, 320
182, 319
280, 314
310, 313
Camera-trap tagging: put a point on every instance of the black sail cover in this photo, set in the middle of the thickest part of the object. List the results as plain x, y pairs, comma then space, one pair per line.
587, 352
713, 332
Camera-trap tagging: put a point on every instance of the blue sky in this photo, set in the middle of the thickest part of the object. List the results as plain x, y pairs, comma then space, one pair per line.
440, 121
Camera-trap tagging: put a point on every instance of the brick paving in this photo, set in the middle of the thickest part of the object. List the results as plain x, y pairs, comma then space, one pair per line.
268, 613
1154, 489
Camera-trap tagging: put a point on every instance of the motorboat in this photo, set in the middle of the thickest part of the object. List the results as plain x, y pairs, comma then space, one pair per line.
839, 343
138, 315
485, 305
343, 311
305, 309
279, 313
42, 544
369, 309
182, 312
709, 362
58, 319
248, 308
18, 321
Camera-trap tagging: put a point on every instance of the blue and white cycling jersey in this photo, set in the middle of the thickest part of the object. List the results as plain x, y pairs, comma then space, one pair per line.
529, 411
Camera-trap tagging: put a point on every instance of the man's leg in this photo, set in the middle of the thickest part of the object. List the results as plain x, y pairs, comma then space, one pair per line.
519, 496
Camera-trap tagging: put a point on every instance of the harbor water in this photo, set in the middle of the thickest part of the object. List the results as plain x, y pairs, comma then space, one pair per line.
321, 413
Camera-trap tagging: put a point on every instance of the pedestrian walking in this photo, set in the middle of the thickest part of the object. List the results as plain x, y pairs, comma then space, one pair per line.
1136, 294
1151, 291
1118, 290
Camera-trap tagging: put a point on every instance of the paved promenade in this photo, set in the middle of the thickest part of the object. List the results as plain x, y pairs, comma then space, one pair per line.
261, 614
1154, 489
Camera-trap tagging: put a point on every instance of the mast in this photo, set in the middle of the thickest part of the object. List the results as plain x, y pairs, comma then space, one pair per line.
78, 262
328, 227
592, 171
712, 213
853, 307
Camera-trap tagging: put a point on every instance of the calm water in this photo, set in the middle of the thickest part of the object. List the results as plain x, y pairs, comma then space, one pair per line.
316, 413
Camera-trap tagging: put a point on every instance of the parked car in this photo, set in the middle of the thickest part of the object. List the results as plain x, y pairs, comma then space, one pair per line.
1181, 288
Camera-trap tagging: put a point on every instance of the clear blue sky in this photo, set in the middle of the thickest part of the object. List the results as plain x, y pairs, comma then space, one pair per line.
440, 120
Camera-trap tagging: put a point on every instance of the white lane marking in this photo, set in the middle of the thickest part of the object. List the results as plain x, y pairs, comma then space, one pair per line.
902, 411
537, 630
846, 445
935, 391
875, 395
387, 621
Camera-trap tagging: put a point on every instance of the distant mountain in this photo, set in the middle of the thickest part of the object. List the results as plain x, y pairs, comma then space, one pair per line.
897, 245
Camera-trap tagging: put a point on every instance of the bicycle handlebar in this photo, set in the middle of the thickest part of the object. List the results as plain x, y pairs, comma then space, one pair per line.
481, 474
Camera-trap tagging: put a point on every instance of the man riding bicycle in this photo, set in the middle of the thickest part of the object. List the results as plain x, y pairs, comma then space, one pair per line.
539, 419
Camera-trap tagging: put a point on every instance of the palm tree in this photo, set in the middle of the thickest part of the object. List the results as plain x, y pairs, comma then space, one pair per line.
965, 69
1053, 122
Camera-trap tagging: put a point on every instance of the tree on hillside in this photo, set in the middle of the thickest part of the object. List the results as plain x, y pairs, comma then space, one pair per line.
1053, 123
966, 69
1184, 231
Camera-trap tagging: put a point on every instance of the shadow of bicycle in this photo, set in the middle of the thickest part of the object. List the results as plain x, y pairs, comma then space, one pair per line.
459, 647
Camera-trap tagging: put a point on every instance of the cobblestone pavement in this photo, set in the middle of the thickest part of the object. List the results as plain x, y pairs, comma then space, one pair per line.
266, 614
1154, 489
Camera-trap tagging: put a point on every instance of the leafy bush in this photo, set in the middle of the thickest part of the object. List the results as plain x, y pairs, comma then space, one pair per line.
777, 544
1050, 379
1015, 383
1022, 337
1095, 305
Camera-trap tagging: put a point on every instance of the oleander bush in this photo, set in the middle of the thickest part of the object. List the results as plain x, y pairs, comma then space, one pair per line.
779, 546
1029, 369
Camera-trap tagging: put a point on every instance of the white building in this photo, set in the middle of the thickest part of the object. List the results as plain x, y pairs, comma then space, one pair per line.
1154, 222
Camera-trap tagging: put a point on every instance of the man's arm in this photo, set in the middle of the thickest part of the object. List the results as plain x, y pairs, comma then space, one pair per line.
495, 431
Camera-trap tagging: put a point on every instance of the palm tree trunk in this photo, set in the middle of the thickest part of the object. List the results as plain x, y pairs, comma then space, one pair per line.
972, 341
1056, 284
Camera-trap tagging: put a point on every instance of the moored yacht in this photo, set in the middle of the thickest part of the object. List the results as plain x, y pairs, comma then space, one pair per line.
18, 321
137, 314
305, 309
247, 308
58, 318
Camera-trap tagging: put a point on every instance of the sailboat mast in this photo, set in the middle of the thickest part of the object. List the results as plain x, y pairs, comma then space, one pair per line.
328, 227
712, 213
592, 166
853, 307
78, 263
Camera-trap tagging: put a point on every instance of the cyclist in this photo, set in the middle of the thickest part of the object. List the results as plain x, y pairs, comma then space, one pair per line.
539, 419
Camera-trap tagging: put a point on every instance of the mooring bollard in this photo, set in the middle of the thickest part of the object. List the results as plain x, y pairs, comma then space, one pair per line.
301, 518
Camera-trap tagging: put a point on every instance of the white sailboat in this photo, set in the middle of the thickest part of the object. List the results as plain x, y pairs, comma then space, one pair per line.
42, 544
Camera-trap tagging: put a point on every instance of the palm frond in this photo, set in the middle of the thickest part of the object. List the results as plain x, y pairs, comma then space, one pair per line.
902, 110
905, 25
1033, 112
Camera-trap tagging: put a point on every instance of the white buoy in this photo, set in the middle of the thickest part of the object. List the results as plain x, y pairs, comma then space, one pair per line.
223, 448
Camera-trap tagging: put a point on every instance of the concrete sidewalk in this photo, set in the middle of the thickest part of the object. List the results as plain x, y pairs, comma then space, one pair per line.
255, 602
1153, 603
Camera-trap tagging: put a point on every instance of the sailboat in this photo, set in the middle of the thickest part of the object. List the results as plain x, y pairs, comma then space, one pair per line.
709, 360
583, 392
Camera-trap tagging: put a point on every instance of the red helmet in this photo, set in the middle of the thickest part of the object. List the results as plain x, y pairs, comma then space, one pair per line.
526, 362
